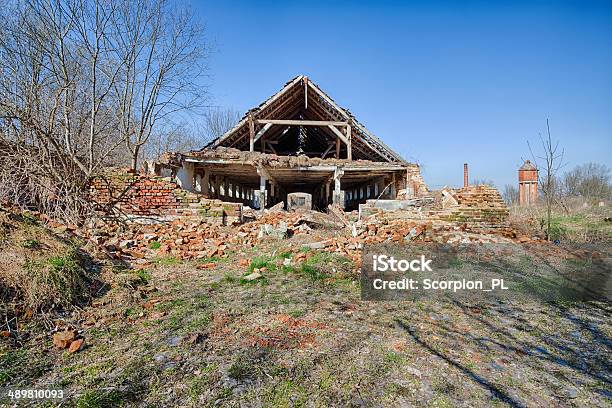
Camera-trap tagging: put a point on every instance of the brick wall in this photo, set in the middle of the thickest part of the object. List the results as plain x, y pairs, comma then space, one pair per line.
478, 206
153, 196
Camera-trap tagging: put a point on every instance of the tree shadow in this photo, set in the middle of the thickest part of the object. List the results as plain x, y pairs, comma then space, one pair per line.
494, 390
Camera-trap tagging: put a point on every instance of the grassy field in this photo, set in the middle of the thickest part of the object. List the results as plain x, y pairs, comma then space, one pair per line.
299, 335
575, 223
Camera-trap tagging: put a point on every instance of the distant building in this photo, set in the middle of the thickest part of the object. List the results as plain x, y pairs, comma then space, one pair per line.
528, 184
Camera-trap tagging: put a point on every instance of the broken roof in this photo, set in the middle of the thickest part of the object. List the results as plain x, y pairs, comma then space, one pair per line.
301, 99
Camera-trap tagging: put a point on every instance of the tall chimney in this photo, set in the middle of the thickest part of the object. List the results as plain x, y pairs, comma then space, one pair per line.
465, 175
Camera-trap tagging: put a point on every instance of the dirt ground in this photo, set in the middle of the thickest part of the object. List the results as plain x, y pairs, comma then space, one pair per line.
199, 333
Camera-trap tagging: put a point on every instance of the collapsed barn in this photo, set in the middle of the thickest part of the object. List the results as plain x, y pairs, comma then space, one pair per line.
297, 141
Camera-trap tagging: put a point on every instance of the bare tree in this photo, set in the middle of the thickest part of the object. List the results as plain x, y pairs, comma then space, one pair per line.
486, 182
590, 180
551, 160
161, 77
82, 79
510, 194
180, 138
217, 121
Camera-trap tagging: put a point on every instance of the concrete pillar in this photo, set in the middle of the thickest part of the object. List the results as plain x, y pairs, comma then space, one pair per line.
338, 197
205, 182
393, 188
198, 183
217, 185
261, 193
185, 176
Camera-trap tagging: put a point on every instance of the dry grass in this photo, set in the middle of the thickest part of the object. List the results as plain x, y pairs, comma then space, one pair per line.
39, 270
577, 221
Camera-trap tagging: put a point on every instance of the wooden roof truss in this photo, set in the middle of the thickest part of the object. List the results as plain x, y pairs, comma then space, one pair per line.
302, 119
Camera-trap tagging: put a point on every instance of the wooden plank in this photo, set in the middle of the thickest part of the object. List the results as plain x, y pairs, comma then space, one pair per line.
271, 147
251, 133
349, 145
338, 133
331, 145
262, 131
298, 122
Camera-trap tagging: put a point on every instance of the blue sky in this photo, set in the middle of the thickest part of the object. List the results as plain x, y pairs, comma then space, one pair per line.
442, 83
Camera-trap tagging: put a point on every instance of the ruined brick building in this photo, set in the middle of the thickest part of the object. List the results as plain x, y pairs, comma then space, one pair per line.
298, 140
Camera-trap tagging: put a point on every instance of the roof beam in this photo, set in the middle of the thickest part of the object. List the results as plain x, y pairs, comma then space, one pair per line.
297, 122
262, 131
339, 134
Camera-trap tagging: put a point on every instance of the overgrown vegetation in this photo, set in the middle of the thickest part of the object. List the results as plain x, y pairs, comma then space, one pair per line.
39, 271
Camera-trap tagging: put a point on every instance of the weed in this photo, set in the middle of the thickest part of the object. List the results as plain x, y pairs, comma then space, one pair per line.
29, 219
229, 278
143, 275
297, 313
262, 262
30, 244
168, 261
241, 369
155, 245
312, 271
99, 399
56, 280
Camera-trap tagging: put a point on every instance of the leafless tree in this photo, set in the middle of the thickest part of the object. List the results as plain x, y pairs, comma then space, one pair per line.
180, 138
549, 162
217, 121
510, 194
82, 79
164, 67
486, 182
590, 180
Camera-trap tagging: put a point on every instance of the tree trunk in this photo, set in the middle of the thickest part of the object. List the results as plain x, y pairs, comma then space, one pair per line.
135, 153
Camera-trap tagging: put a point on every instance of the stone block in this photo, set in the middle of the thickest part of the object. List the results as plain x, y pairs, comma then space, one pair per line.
299, 201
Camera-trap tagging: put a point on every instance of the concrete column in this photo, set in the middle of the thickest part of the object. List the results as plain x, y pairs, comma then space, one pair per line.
185, 176
205, 182
338, 194
198, 183
261, 193
217, 185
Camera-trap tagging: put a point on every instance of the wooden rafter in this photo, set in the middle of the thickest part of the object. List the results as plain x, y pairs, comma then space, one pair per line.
302, 98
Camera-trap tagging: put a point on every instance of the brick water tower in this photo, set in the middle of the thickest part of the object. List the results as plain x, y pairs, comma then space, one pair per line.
528, 184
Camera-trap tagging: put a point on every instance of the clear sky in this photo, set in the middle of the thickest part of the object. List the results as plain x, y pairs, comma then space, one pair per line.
442, 83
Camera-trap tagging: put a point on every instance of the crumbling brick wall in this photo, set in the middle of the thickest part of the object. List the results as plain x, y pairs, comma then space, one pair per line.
480, 206
415, 181
153, 196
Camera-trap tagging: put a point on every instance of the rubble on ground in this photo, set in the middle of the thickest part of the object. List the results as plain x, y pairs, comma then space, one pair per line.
478, 217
